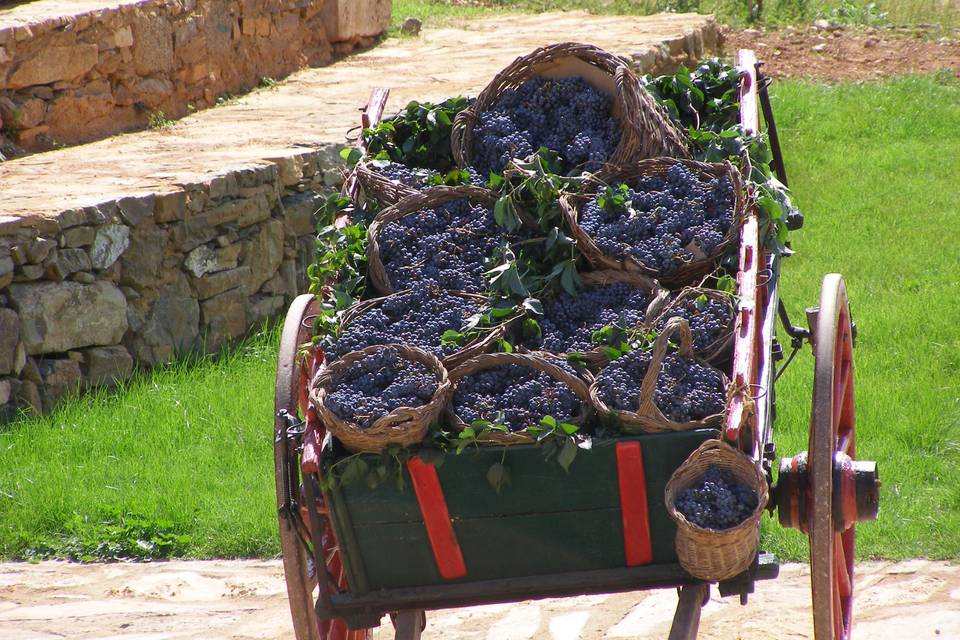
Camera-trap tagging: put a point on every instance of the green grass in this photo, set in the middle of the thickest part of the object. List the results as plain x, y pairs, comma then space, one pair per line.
861, 12
189, 444
874, 168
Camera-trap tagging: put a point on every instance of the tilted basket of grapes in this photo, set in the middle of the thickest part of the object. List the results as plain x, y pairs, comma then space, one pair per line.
581, 506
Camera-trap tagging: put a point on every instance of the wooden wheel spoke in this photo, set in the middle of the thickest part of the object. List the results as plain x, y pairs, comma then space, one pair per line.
840, 568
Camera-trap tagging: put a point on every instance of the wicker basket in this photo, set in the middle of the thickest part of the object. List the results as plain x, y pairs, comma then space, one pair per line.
646, 129
404, 425
540, 361
379, 187
719, 351
596, 358
710, 554
684, 274
426, 199
467, 351
648, 418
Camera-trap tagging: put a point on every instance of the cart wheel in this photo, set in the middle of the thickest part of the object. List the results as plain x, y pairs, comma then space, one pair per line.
825, 491
298, 572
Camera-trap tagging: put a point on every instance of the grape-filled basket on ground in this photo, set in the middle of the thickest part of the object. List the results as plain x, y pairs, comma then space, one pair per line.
537, 356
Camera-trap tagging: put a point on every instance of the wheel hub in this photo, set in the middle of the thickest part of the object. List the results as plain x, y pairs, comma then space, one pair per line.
856, 492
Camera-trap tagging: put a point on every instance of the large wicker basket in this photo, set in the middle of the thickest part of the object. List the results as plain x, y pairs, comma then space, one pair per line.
646, 129
404, 425
718, 351
596, 358
426, 199
467, 351
579, 384
710, 554
648, 418
684, 274
379, 187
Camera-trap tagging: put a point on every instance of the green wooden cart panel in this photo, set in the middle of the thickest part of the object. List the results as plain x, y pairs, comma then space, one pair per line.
546, 521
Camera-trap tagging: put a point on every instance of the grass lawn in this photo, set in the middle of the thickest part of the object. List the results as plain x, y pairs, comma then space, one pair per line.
858, 12
873, 166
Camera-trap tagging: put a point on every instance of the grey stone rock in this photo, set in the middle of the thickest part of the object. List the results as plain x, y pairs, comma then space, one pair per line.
6, 265
6, 390
20, 358
61, 378
56, 317
224, 317
411, 26
9, 337
104, 366
134, 209
263, 254
111, 241
66, 261
170, 207
143, 259
31, 371
216, 283
205, 259
28, 273
84, 277
39, 249
79, 237
265, 308
299, 211
171, 326
28, 396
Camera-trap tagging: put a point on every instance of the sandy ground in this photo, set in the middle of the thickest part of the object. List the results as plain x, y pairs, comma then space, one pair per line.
914, 600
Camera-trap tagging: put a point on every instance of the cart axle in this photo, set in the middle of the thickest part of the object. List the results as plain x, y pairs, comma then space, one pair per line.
856, 492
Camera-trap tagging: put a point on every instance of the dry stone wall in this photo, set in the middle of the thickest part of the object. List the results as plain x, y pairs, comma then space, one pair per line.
77, 78
139, 280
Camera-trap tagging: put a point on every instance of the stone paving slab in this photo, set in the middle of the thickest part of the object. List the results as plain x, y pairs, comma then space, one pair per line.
314, 109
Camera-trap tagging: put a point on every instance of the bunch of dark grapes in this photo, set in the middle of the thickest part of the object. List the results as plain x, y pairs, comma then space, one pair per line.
446, 245
418, 318
519, 395
566, 115
709, 319
568, 322
717, 501
665, 222
686, 390
379, 383
409, 176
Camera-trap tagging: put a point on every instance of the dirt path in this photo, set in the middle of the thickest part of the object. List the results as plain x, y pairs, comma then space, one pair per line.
915, 600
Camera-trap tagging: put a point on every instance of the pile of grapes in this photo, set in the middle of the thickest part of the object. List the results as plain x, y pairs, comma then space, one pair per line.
685, 391
446, 245
418, 318
717, 501
409, 176
377, 384
664, 222
514, 395
709, 318
566, 115
568, 322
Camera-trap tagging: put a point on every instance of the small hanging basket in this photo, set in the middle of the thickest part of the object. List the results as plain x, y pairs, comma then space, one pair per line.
648, 418
426, 199
646, 129
685, 273
719, 350
403, 425
579, 384
467, 351
596, 358
709, 554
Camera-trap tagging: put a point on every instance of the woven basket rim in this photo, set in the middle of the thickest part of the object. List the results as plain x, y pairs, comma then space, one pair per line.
720, 344
685, 274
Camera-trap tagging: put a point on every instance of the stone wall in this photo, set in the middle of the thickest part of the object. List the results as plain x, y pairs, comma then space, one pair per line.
138, 280
77, 78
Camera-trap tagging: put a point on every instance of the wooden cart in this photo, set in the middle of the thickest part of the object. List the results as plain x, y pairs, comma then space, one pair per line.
602, 527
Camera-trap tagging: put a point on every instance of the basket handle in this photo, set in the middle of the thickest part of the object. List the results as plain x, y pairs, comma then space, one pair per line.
649, 385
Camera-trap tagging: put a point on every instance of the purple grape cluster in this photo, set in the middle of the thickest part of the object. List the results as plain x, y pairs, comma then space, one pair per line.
686, 390
709, 319
409, 176
379, 383
665, 221
418, 318
717, 501
566, 115
520, 395
568, 322
446, 245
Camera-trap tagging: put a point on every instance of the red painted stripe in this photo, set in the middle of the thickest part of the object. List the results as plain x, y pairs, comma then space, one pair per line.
436, 519
633, 504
